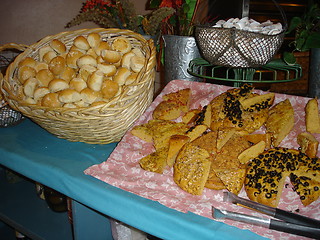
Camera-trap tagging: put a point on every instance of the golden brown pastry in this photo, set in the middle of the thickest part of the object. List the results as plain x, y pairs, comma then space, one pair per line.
51, 100
58, 46
94, 39
109, 89
57, 85
57, 65
308, 143
121, 44
280, 121
44, 76
78, 84
95, 80
176, 142
191, 169
69, 96
72, 58
111, 56
312, 116
266, 175
29, 86
81, 43
26, 72
86, 60
154, 162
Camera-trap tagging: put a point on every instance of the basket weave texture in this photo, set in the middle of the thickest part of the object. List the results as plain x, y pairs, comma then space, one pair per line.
237, 48
101, 124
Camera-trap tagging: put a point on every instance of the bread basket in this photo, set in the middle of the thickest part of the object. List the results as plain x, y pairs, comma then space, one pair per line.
99, 124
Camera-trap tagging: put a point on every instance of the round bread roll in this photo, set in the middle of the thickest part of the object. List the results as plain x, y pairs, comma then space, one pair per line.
126, 59
102, 46
30, 86
58, 46
89, 96
44, 76
68, 74
111, 56
28, 61
137, 63
26, 72
81, 42
51, 100
48, 56
121, 44
57, 65
95, 80
94, 39
109, 89
85, 71
72, 58
69, 96
40, 92
78, 84
121, 75
137, 52
41, 65
74, 48
57, 85
100, 60
131, 79
86, 60
92, 53
43, 51
107, 69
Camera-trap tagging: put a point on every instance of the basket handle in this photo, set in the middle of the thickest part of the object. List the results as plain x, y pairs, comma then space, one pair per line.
245, 11
20, 47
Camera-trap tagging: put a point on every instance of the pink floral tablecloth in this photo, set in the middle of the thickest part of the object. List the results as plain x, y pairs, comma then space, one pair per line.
122, 168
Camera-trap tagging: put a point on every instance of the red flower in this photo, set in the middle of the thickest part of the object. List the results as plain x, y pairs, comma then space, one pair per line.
103, 5
171, 3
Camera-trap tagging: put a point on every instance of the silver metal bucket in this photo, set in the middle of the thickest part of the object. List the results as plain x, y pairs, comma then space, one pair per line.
314, 73
178, 52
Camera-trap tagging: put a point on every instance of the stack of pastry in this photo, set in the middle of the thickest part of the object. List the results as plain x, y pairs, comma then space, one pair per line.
89, 72
216, 146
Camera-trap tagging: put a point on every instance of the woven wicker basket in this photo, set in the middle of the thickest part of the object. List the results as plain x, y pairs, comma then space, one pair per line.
99, 124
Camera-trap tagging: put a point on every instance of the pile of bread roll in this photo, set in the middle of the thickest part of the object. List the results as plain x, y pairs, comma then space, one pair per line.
89, 72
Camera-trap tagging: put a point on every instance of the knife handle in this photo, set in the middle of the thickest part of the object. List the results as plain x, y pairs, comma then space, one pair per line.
296, 218
296, 229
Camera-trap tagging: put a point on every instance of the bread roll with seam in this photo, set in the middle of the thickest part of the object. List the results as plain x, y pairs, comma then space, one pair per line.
57, 85
86, 60
44, 76
58, 46
57, 65
78, 84
81, 103
107, 69
72, 58
126, 59
85, 71
43, 51
92, 53
74, 48
111, 56
29, 86
89, 96
137, 52
41, 65
51, 100
28, 61
68, 74
102, 46
69, 96
121, 75
81, 43
109, 89
95, 80
26, 72
137, 63
121, 44
94, 39
40, 92
48, 56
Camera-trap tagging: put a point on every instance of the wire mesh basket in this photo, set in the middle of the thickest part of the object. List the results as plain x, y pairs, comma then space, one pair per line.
240, 48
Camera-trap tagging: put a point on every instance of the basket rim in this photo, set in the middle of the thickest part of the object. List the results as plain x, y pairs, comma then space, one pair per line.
233, 29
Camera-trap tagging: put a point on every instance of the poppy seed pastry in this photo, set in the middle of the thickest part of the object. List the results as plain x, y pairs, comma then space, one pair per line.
266, 175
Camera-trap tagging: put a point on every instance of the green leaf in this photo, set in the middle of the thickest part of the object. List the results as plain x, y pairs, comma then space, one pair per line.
313, 41
294, 23
154, 4
289, 58
192, 5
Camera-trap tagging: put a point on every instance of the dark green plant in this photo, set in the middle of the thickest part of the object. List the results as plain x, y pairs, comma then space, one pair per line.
306, 30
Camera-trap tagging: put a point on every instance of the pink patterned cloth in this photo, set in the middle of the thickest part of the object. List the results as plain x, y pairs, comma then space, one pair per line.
122, 168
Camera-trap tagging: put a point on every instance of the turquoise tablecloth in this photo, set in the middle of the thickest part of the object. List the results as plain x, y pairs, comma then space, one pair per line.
58, 163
